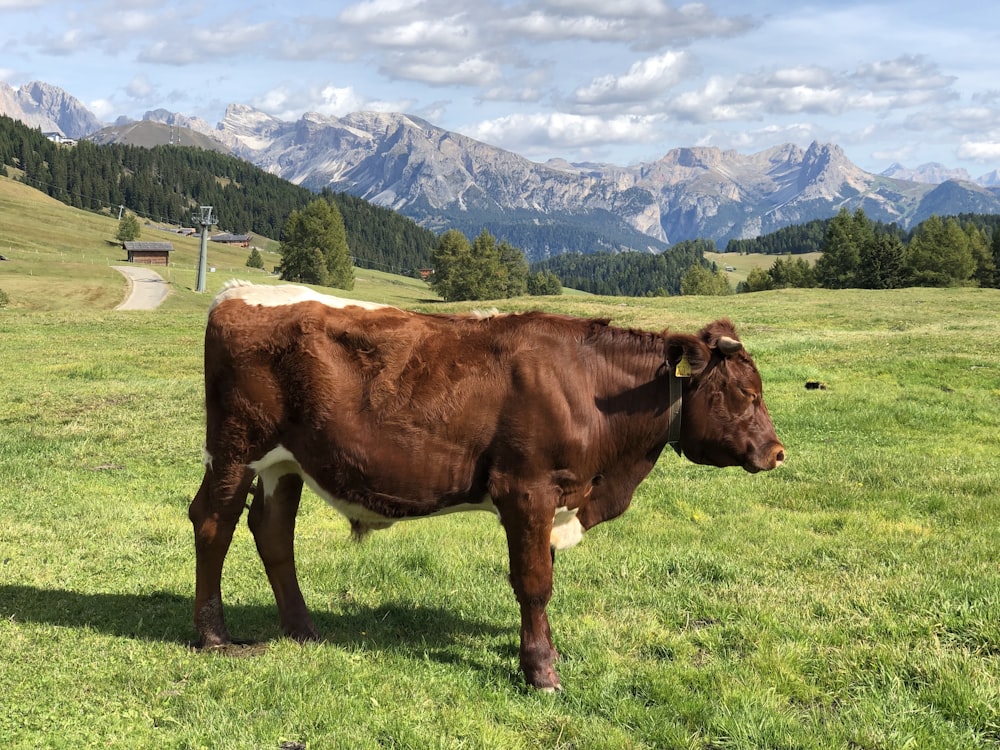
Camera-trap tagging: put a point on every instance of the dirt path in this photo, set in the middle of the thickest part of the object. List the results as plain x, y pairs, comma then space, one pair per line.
147, 289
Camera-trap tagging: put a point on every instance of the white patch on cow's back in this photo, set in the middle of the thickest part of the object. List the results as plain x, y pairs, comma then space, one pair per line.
276, 295
567, 531
491, 312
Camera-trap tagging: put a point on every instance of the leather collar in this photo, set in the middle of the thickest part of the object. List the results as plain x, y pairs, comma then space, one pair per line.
674, 413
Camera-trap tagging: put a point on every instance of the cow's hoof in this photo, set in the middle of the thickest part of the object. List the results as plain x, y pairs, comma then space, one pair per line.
211, 642
545, 680
304, 635
239, 649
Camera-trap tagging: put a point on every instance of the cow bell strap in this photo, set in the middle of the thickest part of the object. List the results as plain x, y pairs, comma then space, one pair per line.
674, 412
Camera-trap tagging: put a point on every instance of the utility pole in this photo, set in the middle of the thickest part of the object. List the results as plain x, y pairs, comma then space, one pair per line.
206, 219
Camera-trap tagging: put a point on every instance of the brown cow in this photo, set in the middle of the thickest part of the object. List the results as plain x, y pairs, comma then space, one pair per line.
549, 421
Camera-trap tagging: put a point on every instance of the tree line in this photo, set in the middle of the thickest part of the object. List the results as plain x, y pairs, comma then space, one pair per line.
859, 253
629, 274
485, 269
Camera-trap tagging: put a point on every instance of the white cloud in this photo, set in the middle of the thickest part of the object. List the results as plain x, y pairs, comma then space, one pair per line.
882, 87
904, 73
560, 130
958, 119
333, 100
471, 71
139, 87
761, 138
984, 151
103, 109
135, 22
899, 155
439, 33
289, 104
70, 41
646, 79
285, 103
641, 25
185, 44
524, 94
545, 26
375, 11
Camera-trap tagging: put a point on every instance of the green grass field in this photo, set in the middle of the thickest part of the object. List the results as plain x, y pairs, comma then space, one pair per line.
850, 599
742, 265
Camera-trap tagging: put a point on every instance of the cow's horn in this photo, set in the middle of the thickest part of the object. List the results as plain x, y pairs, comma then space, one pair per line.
728, 345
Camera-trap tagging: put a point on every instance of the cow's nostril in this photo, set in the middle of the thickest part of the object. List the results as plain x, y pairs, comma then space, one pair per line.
779, 457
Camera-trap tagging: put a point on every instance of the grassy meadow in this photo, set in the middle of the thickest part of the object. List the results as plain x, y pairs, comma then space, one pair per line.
850, 599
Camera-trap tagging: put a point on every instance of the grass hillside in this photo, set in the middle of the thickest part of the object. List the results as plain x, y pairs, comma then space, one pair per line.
61, 258
850, 599
147, 134
742, 265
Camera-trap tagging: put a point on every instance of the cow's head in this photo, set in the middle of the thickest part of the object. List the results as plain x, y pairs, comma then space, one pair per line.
724, 421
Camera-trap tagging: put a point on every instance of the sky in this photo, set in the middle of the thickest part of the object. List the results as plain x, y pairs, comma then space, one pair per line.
618, 81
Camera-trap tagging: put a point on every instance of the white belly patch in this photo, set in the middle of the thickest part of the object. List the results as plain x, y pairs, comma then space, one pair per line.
566, 528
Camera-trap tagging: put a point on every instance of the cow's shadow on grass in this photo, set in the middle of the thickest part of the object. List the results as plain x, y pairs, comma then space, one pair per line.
403, 628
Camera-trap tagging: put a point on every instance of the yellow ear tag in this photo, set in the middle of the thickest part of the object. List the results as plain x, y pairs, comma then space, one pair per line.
683, 369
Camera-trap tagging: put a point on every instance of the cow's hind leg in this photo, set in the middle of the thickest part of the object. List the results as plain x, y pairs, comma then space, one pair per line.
272, 521
528, 526
214, 513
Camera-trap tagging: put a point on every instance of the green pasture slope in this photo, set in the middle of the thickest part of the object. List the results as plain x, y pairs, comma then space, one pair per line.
850, 599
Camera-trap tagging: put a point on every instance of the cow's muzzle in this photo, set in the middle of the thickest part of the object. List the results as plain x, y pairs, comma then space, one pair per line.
770, 458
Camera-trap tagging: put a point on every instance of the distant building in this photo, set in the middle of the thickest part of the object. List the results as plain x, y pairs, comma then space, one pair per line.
56, 137
241, 240
149, 253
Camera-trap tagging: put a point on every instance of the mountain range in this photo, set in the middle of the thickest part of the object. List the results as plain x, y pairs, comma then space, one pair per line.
444, 179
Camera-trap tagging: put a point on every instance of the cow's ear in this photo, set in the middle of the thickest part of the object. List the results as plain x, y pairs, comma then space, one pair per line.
687, 356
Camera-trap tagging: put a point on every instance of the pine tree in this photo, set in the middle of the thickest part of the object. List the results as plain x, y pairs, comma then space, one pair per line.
314, 247
703, 281
516, 266
758, 280
881, 263
488, 275
837, 267
939, 254
986, 270
340, 269
451, 259
129, 228
255, 259
544, 283
995, 248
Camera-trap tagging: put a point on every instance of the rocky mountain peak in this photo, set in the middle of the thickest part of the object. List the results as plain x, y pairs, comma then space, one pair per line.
49, 108
931, 173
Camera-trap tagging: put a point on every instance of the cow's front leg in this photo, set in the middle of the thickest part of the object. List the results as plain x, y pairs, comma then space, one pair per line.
272, 521
214, 512
529, 527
